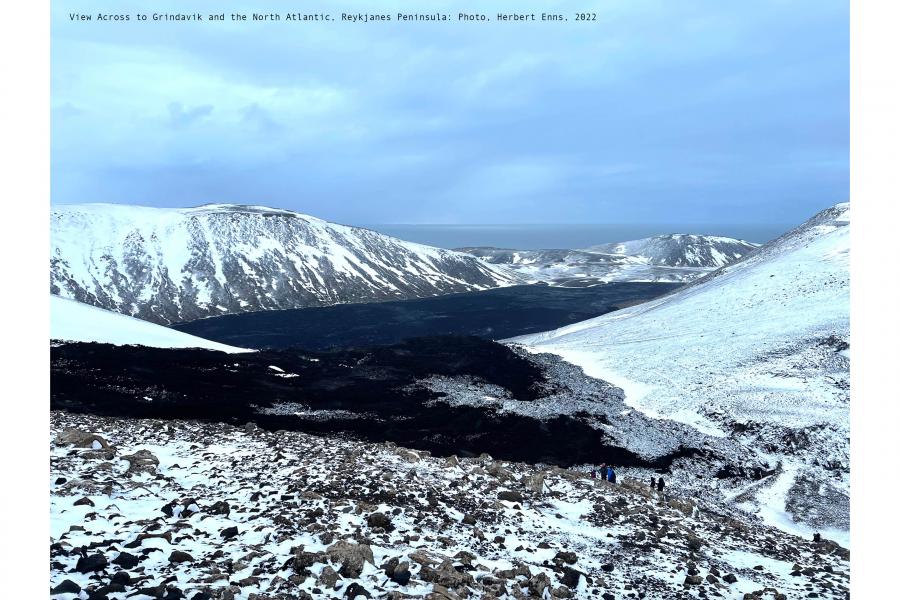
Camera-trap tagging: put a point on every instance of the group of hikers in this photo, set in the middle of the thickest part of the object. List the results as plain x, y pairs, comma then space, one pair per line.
608, 473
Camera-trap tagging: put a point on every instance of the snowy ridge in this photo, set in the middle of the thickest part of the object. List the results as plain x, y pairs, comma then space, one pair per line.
665, 258
757, 349
171, 265
681, 250
73, 321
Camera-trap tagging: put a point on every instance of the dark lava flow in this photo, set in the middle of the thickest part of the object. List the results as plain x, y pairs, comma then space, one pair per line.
366, 394
493, 314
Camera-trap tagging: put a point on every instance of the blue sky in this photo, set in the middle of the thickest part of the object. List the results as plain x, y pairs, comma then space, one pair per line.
660, 112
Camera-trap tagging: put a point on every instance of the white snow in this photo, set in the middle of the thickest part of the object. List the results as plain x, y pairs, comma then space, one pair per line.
77, 322
745, 343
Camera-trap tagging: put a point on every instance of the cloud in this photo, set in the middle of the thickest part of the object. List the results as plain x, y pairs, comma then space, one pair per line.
659, 110
179, 118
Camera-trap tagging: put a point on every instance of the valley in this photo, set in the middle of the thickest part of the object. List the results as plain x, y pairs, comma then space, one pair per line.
717, 365
493, 314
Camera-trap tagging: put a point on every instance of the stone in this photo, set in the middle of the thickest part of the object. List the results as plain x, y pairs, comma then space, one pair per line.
354, 590
693, 580
401, 574
66, 586
142, 461
570, 578
84, 502
510, 496
219, 508
350, 556
88, 564
328, 577
379, 519
567, 557
730, 578
229, 532
179, 556
126, 560
80, 439
535, 483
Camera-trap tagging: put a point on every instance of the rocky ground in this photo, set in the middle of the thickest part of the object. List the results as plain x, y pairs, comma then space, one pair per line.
144, 508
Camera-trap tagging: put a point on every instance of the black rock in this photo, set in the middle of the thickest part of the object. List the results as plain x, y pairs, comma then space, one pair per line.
570, 578
94, 562
511, 496
354, 590
607, 568
401, 574
66, 587
730, 578
229, 532
84, 502
121, 577
126, 560
567, 557
179, 556
223, 508
60, 480
201, 596
380, 520
693, 580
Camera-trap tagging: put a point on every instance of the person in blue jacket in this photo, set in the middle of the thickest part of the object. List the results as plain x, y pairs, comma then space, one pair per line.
611, 475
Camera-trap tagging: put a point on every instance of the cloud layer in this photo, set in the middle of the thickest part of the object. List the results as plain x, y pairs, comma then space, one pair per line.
667, 112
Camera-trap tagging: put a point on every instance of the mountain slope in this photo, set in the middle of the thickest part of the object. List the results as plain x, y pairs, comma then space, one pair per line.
669, 258
171, 265
681, 250
76, 322
757, 350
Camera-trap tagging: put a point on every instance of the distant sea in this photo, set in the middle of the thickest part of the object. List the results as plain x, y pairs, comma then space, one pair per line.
534, 237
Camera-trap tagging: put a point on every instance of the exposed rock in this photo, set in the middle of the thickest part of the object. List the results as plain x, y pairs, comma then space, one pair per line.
179, 556
350, 556
67, 586
142, 461
80, 439
94, 562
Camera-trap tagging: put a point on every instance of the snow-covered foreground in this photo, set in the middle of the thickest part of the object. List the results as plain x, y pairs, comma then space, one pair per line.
758, 351
155, 509
76, 322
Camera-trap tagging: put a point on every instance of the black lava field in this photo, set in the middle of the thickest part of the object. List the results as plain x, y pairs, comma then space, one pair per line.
369, 395
493, 314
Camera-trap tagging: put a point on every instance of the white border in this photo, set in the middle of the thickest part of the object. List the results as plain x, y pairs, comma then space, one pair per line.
875, 232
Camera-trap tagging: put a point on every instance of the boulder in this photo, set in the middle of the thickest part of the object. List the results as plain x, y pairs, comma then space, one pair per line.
510, 496
80, 439
142, 461
67, 586
179, 556
379, 519
352, 557
88, 564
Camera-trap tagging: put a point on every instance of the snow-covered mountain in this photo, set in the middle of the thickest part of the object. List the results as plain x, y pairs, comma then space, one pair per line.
171, 265
669, 258
73, 321
756, 351
681, 250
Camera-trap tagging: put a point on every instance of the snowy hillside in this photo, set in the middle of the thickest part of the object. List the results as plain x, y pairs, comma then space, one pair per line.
171, 265
758, 351
76, 322
681, 250
666, 258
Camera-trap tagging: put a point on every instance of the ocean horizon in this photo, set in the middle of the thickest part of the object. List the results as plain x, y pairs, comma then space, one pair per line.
563, 236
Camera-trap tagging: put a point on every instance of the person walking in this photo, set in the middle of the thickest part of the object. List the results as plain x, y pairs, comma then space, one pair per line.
660, 484
653, 483
611, 475
603, 472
